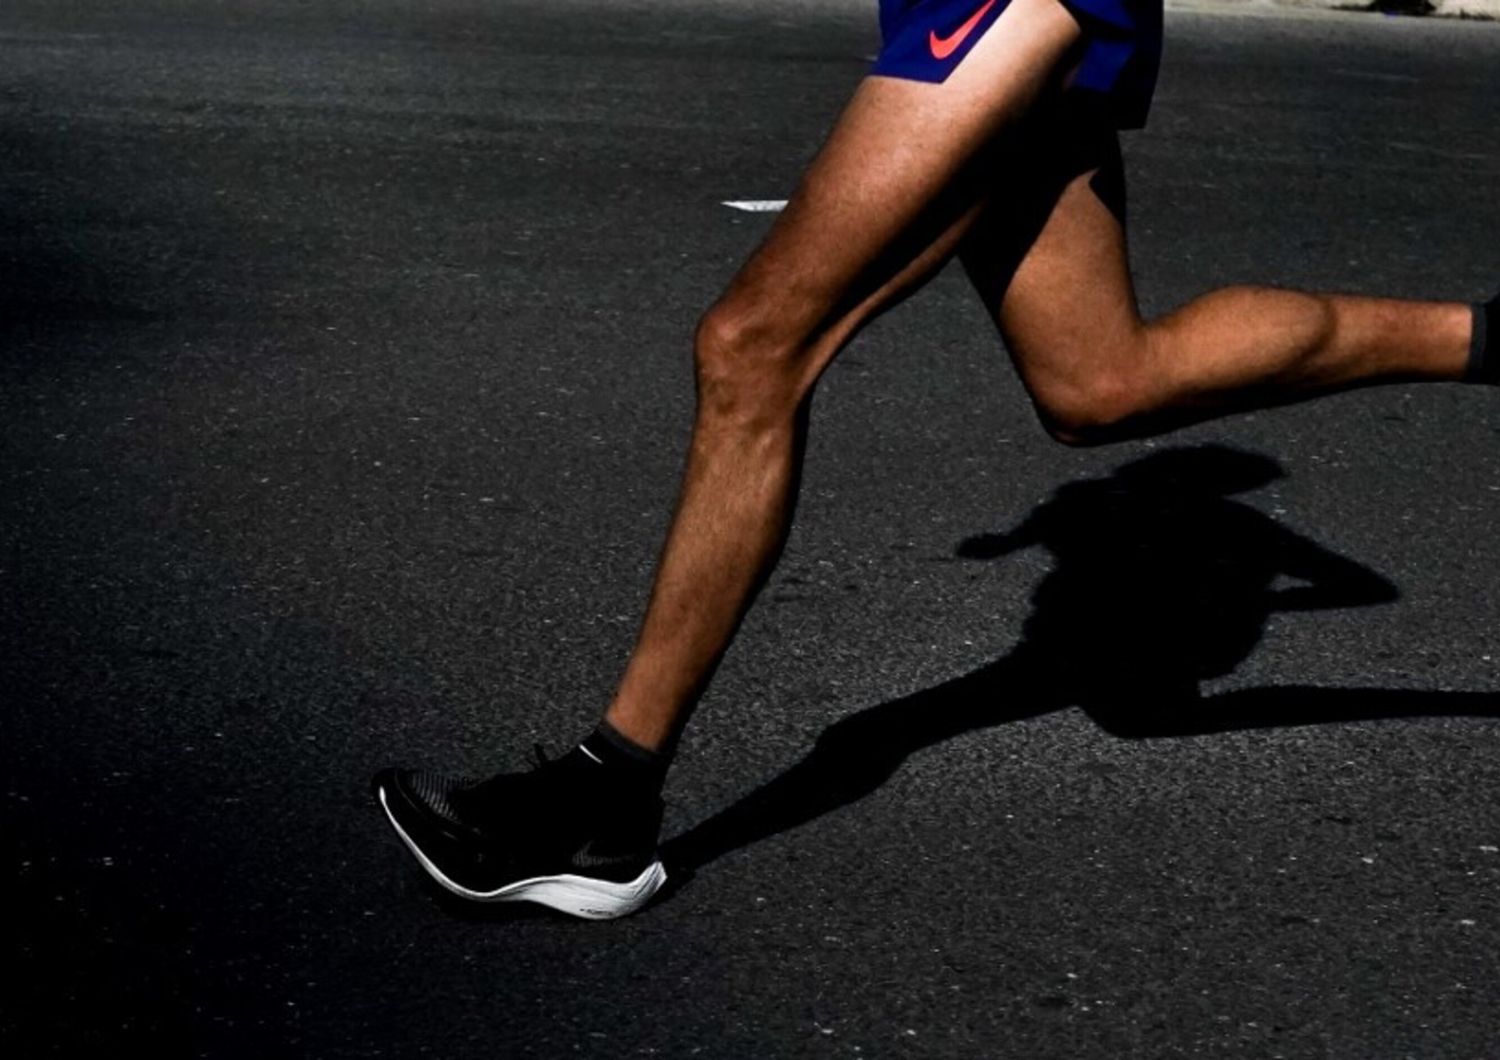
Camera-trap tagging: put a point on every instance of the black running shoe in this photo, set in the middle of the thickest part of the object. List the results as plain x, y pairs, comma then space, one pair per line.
552, 836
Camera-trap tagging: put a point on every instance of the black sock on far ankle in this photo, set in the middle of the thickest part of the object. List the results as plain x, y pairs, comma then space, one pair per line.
623, 760
1484, 360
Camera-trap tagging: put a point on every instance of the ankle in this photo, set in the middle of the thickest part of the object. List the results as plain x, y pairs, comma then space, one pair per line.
619, 761
1484, 361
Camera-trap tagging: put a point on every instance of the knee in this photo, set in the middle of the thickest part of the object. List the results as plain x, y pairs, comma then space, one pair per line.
1092, 408
744, 363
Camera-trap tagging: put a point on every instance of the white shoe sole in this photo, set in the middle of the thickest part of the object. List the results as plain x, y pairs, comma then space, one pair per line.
579, 896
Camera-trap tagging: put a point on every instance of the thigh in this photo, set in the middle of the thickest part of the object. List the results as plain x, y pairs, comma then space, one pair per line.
904, 174
1049, 258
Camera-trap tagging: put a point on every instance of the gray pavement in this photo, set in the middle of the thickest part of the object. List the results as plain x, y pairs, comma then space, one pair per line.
343, 390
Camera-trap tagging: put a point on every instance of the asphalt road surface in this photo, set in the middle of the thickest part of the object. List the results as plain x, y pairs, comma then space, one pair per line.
344, 357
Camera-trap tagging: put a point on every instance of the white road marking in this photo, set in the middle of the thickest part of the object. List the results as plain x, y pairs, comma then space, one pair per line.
757, 205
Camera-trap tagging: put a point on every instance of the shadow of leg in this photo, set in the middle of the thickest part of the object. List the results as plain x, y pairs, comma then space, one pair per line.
1266, 708
853, 757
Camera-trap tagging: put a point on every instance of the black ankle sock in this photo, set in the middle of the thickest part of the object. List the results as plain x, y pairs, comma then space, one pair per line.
1484, 360
622, 760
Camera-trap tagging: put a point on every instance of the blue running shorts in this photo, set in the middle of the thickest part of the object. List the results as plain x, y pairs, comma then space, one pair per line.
925, 40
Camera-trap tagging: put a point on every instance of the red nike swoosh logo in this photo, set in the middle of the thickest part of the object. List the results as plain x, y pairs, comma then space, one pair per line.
942, 47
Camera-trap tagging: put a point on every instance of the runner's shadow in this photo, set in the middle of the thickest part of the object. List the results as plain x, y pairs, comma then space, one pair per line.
1160, 582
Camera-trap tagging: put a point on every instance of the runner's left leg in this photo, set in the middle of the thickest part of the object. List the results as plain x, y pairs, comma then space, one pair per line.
1098, 372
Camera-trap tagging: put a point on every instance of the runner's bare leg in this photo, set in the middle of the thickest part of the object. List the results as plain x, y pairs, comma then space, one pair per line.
1098, 372
881, 190
1096, 369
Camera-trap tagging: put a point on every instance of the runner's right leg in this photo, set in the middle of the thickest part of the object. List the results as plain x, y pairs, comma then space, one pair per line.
881, 208
905, 172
